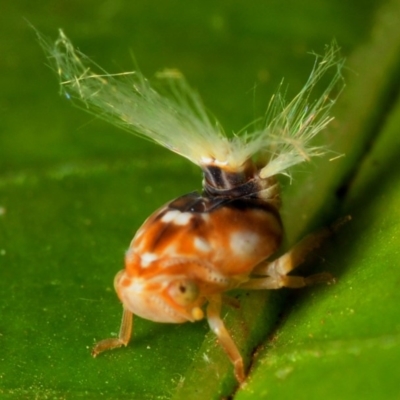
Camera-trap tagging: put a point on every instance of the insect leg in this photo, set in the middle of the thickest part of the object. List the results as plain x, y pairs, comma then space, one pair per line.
224, 338
280, 281
123, 338
274, 274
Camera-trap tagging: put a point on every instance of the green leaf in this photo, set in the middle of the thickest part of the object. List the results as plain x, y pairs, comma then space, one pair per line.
74, 190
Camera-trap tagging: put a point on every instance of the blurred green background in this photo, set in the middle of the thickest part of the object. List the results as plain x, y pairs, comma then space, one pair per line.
73, 190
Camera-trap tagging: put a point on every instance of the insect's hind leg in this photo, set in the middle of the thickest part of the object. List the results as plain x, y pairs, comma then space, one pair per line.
274, 274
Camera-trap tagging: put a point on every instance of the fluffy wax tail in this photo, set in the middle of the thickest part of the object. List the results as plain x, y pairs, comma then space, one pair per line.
181, 123
287, 136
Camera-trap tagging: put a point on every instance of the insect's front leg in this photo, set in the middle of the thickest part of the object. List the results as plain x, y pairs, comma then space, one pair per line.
125, 332
224, 338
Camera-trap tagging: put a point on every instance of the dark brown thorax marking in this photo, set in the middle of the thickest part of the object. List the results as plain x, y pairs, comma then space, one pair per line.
245, 184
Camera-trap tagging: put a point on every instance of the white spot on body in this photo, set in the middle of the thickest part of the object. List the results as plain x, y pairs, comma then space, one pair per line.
147, 259
244, 243
201, 244
183, 218
170, 216
177, 217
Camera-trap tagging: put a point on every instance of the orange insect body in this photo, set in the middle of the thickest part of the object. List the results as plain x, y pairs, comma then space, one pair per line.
209, 242
197, 247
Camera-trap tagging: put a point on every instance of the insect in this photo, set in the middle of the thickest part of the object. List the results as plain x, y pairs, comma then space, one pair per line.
201, 245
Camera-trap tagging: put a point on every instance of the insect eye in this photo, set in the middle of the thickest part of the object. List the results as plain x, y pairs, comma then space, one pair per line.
183, 292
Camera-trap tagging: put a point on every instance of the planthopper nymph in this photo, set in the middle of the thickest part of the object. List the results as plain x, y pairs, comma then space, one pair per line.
194, 249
